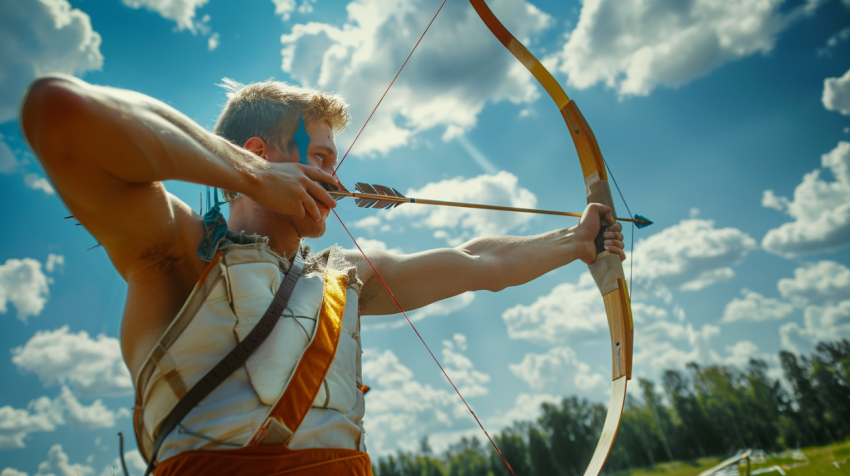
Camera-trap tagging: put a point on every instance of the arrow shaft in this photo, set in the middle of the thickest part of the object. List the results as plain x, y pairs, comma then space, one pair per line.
443, 203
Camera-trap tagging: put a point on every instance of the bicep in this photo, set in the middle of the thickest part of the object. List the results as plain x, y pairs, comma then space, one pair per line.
418, 279
74, 142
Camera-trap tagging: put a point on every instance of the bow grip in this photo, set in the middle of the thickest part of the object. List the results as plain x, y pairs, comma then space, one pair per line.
600, 238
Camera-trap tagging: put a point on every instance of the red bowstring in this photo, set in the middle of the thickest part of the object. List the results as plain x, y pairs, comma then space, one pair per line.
499, 452
426, 345
388, 88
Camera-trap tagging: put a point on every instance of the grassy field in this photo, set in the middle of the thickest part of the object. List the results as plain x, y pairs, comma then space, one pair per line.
831, 460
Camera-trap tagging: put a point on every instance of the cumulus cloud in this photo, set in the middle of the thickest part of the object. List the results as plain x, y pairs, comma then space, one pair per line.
820, 323
821, 281
457, 225
403, 410
36, 182
558, 370
213, 41
24, 285
439, 308
284, 8
470, 382
38, 37
836, 92
44, 414
443, 86
635, 47
370, 244
691, 255
93, 367
54, 262
820, 210
755, 307
569, 309
834, 41
136, 465
57, 464
666, 345
181, 12
527, 407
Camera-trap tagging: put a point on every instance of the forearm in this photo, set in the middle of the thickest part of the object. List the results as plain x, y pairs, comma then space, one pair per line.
129, 136
505, 261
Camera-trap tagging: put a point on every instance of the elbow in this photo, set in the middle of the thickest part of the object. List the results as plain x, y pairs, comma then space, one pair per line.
51, 108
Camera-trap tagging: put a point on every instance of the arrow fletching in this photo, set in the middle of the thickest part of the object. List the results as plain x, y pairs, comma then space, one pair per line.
377, 190
644, 221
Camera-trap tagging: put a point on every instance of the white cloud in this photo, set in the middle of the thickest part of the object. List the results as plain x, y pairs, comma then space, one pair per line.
213, 41
443, 86
8, 162
755, 307
457, 225
691, 255
834, 40
36, 182
558, 316
182, 12
12, 472
820, 323
284, 8
469, 381
54, 261
135, 465
668, 345
402, 410
527, 407
836, 92
38, 37
820, 209
558, 370
58, 464
635, 47
824, 280
44, 414
370, 244
439, 308
23, 284
93, 367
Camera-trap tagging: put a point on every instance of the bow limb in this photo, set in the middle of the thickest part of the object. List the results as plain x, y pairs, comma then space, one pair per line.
607, 270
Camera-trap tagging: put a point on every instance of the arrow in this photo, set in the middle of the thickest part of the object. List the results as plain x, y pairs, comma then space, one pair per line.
380, 196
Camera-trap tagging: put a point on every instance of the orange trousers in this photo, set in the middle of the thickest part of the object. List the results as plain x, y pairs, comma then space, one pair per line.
269, 460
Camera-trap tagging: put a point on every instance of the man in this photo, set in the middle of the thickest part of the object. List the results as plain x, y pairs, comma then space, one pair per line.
196, 290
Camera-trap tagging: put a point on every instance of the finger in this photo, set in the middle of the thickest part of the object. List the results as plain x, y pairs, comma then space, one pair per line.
615, 243
310, 207
607, 216
614, 235
616, 227
316, 173
316, 191
617, 251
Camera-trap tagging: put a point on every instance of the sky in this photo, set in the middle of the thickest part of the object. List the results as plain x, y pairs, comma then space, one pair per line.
726, 123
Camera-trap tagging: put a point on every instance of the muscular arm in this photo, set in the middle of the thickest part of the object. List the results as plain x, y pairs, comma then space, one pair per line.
491, 263
107, 151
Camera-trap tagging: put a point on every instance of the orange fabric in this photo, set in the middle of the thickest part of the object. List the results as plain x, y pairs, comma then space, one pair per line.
267, 461
293, 405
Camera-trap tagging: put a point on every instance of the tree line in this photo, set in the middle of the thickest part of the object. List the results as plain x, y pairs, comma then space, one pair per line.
699, 412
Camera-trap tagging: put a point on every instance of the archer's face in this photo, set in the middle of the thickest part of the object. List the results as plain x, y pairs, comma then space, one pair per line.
321, 153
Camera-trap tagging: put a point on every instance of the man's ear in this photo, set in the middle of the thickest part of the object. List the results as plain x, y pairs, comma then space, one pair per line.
256, 146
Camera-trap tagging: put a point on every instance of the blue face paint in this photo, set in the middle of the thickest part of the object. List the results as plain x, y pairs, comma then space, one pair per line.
302, 140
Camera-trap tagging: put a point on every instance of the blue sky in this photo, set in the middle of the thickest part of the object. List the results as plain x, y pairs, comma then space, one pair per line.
727, 125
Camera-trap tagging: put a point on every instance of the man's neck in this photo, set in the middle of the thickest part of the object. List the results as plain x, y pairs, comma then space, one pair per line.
248, 217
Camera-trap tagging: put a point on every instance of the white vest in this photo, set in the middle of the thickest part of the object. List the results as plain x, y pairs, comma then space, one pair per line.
225, 305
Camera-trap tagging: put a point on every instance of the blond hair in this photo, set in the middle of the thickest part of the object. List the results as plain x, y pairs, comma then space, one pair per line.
269, 110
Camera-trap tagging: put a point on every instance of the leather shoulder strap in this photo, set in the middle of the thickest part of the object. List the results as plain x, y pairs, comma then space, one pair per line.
232, 361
